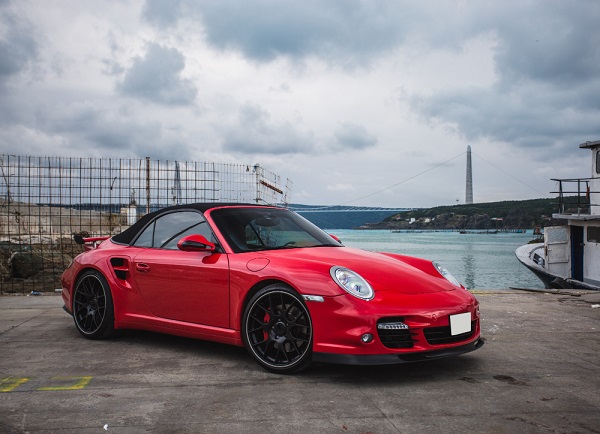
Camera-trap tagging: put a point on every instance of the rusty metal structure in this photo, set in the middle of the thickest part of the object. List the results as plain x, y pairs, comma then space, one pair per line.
44, 201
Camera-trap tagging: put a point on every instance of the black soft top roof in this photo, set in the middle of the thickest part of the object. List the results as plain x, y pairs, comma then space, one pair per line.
127, 236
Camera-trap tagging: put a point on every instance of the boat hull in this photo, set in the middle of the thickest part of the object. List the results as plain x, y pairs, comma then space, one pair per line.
527, 256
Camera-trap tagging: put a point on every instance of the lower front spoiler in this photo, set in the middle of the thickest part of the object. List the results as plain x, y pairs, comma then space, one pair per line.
390, 359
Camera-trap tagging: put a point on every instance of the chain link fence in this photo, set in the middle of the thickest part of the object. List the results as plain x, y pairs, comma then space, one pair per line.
44, 201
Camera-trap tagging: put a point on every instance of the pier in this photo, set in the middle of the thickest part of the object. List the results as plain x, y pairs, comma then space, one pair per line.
539, 371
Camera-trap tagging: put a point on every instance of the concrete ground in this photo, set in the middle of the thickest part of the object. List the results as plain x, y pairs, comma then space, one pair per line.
539, 371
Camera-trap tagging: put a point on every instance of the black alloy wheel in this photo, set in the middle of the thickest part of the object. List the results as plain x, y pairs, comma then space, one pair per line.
277, 330
92, 306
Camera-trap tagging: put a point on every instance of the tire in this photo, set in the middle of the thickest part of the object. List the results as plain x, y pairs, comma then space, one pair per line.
277, 330
93, 310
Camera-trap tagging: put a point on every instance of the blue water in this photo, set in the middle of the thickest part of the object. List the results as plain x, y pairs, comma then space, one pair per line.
479, 261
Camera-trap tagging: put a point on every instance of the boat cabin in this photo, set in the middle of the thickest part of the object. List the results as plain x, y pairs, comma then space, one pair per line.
572, 252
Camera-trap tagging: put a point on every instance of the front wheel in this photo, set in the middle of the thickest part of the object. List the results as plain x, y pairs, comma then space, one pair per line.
93, 306
277, 330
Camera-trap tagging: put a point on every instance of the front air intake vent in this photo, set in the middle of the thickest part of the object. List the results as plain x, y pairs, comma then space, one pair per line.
442, 335
393, 333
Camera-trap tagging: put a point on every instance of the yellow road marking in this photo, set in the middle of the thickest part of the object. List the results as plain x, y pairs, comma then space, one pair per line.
9, 384
78, 383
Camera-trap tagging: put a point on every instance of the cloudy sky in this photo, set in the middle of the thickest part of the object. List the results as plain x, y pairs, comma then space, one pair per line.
358, 102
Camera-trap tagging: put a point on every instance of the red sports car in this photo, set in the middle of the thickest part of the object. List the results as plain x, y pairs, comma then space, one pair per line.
265, 278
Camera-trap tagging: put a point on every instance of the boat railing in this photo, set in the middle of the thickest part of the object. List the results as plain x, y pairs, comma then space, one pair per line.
574, 196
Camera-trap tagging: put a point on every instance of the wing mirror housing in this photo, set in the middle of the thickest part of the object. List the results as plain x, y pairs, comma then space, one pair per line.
195, 243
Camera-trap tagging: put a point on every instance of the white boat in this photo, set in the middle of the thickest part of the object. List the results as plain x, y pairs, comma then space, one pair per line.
569, 257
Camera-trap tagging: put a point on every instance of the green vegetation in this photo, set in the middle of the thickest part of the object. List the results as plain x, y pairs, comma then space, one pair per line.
524, 214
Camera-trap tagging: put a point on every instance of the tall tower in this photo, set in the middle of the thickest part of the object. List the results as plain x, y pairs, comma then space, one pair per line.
469, 196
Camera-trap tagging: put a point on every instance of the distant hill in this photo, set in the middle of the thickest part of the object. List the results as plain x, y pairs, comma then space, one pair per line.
523, 214
337, 217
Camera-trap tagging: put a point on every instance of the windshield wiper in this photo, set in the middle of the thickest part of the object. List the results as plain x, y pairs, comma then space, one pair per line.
291, 246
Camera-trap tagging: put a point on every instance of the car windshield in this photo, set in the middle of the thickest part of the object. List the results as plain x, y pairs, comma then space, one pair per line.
252, 229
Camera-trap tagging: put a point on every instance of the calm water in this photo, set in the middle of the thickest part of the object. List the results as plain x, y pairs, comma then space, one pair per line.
479, 261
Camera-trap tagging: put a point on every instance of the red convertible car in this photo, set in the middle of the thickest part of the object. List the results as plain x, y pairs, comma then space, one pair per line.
265, 278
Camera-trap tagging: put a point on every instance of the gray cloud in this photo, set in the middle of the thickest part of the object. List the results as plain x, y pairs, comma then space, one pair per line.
354, 137
546, 54
88, 127
556, 43
157, 78
111, 66
253, 132
18, 47
541, 91
519, 118
162, 13
547, 90
87, 124
340, 31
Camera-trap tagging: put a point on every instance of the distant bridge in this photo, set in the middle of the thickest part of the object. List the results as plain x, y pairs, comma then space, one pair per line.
345, 217
339, 208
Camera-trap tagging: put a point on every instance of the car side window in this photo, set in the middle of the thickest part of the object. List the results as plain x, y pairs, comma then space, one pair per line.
145, 238
166, 231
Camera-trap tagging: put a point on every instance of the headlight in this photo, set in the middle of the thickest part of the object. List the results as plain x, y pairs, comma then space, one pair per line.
448, 275
352, 282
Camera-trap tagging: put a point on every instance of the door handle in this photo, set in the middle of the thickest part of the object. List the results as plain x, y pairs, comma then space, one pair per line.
142, 268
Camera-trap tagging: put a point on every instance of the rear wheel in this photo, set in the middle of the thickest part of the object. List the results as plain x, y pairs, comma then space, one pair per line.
277, 330
93, 306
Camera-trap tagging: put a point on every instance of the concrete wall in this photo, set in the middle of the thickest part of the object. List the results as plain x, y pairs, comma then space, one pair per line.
38, 224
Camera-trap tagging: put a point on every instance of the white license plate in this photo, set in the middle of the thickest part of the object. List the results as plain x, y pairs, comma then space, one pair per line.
460, 323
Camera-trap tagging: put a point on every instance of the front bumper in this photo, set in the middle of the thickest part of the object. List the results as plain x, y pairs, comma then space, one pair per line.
341, 322
391, 359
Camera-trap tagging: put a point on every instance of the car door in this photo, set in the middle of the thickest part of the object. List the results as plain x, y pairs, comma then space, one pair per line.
178, 285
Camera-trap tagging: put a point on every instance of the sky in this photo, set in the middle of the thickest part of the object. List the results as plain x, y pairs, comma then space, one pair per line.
362, 103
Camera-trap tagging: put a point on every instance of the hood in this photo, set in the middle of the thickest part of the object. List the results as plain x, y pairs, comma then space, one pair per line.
383, 272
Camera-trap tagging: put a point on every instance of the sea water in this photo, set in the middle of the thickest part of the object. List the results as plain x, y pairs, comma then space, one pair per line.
478, 260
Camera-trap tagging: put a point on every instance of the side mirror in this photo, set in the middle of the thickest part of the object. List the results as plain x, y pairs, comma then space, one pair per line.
195, 243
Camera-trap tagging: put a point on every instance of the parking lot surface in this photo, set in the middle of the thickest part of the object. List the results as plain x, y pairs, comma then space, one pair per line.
539, 371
